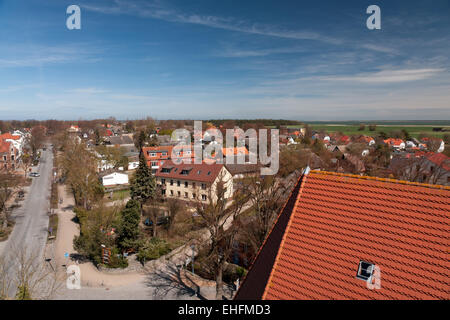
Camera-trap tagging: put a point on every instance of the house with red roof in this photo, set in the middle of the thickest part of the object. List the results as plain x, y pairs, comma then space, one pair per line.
157, 156
193, 181
344, 237
9, 155
74, 129
395, 143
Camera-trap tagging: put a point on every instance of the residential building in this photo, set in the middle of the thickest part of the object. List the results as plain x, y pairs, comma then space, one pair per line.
193, 181
8, 155
157, 156
74, 129
347, 237
125, 140
115, 179
395, 143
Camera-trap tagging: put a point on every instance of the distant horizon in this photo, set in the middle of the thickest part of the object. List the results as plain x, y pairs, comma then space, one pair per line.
358, 121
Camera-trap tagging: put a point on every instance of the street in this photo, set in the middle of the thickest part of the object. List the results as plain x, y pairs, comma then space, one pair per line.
31, 219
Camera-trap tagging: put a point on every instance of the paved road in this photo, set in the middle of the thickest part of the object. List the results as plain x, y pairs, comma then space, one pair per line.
31, 228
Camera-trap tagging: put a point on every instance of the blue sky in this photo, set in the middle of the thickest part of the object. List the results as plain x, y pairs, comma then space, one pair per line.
303, 60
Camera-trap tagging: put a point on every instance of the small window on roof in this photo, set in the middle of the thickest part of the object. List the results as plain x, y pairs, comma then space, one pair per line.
199, 171
209, 173
365, 271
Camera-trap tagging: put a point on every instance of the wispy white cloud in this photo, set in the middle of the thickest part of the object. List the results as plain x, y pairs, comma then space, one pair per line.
389, 76
87, 91
239, 53
156, 10
379, 48
35, 55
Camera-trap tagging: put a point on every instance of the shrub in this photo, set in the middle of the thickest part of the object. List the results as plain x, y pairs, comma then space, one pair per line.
153, 249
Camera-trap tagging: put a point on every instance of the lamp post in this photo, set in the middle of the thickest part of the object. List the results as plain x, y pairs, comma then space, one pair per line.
193, 256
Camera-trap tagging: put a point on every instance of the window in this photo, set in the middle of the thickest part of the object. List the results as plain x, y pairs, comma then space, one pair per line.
209, 173
193, 184
204, 197
194, 196
171, 192
179, 194
186, 195
171, 182
186, 184
163, 181
153, 154
163, 192
178, 183
365, 271
164, 153
166, 170
203, 186
154, 164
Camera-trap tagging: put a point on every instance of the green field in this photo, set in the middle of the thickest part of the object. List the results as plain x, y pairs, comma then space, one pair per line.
413, 130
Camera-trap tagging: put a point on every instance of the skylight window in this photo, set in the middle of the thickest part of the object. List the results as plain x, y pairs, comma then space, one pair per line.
365, 271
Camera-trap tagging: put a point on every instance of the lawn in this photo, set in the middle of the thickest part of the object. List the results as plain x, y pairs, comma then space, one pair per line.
352, 129
413, 130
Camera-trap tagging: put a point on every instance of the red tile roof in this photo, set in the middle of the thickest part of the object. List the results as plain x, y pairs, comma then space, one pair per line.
4, 146
8, 135
339, 220
196, 172
440, 159
394, 142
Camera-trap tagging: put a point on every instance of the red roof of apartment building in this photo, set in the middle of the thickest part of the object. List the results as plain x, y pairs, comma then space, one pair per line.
193, 172
4, 146
339, 220
8, 135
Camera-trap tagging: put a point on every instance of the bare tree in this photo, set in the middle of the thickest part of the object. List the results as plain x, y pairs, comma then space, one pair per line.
417, 170
220, 214
174, 206
8, 181
32, 278
79, 166
37, 139
266, 196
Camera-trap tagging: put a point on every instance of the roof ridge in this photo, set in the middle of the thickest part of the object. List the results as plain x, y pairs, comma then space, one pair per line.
395, 181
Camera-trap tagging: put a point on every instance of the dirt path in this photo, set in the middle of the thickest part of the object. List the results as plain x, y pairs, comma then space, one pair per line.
67, 230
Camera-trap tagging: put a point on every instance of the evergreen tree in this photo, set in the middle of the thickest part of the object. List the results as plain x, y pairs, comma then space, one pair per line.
129, 227
143, 185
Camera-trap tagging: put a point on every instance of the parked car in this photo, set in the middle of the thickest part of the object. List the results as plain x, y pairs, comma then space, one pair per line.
34, 174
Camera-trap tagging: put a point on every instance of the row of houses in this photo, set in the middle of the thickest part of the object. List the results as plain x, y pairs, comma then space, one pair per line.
11, 149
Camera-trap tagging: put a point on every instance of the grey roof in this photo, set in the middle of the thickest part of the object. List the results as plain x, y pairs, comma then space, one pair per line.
119, 140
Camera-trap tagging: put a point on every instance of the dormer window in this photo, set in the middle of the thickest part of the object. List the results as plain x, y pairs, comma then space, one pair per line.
365, 271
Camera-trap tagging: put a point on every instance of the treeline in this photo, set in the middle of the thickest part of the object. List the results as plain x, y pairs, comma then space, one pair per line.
265, 122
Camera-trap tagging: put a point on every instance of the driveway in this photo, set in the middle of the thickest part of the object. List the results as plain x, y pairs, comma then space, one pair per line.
31, 228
